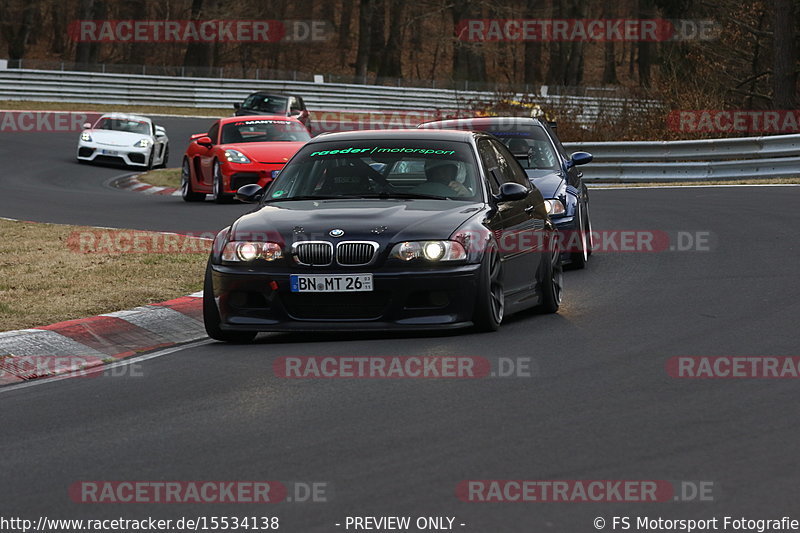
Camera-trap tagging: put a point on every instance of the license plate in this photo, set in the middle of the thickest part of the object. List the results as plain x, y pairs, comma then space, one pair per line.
109, 152
325, 283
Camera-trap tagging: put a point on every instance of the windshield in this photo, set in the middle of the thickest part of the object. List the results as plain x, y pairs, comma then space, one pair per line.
531, 147
250, 131
266, 103
380, 169
122, 124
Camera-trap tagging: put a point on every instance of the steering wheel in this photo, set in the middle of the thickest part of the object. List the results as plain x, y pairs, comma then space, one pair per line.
374, 175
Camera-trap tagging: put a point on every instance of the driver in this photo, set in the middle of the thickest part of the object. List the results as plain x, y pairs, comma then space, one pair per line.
441, 180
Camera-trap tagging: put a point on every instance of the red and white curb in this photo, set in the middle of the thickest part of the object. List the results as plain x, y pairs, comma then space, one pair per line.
132, 183
88, 342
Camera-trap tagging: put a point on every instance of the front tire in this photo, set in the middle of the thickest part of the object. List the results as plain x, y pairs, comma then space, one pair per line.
217, 187
211, 318
552, 281
490, 303
187, 193
579, 259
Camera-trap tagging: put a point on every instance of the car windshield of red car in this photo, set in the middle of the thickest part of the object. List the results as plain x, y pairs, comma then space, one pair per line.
249, 131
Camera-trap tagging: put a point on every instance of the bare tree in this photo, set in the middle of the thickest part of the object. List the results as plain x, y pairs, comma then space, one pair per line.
391, 59
364, 19
784, 56
469, 63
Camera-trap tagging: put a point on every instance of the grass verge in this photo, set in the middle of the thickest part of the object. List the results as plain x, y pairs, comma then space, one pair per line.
44, 278
775, 181
12, 105
165, 177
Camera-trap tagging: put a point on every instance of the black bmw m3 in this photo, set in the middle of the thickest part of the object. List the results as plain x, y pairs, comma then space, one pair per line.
385, 230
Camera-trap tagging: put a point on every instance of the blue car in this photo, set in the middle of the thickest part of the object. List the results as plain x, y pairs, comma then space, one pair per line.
554, 173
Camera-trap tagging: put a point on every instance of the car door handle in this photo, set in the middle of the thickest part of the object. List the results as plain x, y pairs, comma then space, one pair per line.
530, 208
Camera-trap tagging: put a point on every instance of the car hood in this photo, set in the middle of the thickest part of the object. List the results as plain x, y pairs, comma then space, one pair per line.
547, 181
116, 138
380, 220
267, 152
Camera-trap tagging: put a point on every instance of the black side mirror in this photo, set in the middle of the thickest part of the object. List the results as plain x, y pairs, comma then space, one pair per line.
249, 194
510, 192
579, 158
237, 105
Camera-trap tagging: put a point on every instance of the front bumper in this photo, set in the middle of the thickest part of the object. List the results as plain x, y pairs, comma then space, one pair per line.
408, 299
236, 175
568, 235
127, 155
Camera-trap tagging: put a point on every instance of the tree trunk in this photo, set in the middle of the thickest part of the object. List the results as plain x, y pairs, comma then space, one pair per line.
609, 55
377, 34
18, 41
391, 63
533, 51
344, 29
469, 64
362, 56
557, 68
199, 55
645, 48
86, 52
784, 61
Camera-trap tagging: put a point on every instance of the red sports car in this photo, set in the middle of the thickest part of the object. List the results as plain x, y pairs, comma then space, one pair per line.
238, 151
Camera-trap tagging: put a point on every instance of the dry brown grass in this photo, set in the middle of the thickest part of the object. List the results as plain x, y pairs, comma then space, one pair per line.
43, 281
165, 177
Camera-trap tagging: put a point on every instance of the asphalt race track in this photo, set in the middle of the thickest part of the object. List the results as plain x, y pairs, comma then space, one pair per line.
600, 406
42, 181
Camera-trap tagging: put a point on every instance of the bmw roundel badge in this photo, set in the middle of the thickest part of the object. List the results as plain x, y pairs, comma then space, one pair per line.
336, 232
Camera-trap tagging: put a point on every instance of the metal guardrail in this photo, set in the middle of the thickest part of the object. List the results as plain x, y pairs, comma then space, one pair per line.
246, 71
776, 156
750, 157
129, 89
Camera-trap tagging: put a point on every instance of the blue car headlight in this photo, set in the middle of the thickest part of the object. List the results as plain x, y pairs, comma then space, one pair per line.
555, 207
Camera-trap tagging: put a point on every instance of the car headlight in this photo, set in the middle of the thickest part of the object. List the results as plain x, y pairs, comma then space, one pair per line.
86, 137
555, 207
239, 251
143, 143
235, 156
434, 251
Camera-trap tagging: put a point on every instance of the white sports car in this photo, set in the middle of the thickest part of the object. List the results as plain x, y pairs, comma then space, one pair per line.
129, 139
